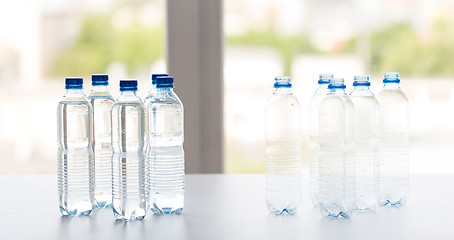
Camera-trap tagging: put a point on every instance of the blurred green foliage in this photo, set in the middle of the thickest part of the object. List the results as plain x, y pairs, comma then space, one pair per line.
396, 48
99, 44
288, 46
401, 49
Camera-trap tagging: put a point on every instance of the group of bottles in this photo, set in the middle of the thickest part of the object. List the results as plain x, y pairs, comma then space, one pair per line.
125, 154
358, 147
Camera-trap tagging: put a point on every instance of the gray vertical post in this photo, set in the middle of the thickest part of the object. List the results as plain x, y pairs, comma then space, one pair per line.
195, 59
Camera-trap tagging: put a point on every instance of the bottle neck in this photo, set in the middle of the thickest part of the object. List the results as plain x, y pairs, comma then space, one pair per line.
74, 92
361, 88
99, 88
337, 91
282, 90
128, 93
163, 91
391, 85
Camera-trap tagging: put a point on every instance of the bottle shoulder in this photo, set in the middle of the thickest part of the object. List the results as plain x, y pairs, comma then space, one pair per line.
164, 98
392, 95
336, 101
282, 99
74, 105
316, 98
363, 98
74, 99
100, 95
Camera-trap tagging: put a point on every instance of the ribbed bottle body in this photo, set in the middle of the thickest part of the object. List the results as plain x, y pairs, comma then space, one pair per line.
102, 115
366, 149
314, 145
75, 155
336, 157
394, 146
283, 155
129, 169
165, 152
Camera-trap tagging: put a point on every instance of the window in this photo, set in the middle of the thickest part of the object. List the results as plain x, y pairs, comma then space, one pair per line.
302, 38
42, 42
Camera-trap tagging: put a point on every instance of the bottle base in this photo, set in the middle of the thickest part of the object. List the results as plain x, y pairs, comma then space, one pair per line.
75, 212
335, 211
275, 211
366, 208
167, 203
102, 205
165, 211
389, 203
103, 200
136, 214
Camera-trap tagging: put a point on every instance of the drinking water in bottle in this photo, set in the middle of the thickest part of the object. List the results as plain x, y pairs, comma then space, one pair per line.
283, 149
146, 102
129, 170
314, 135
153, 89
75, 151
366, 144
165, 153
336, 159
102, 103
394, 142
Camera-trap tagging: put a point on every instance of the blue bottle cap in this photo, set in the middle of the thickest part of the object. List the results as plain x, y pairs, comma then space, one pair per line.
99, 80
336, 83
128, 85
324, 78
391, 77
164, 82
154, 76
74, 83
283, 82
361, 80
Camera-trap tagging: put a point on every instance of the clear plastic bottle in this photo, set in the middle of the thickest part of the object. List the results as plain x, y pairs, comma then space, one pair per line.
314, 149
166, 154
394, 142
366, 144
283, 149
153, 89
75, 151
336, 159
146, 102
102, 103
129, 170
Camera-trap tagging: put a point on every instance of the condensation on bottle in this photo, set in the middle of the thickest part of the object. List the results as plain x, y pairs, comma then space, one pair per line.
75, 151
366, 144
102, 102
129, 168
394, 142
165, 153
283, 149
336, 158
314, 135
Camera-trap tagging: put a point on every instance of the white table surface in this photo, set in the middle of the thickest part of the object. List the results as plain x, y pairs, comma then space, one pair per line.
225, 207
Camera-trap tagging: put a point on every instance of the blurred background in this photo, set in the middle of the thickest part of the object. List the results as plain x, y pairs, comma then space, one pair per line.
44, 41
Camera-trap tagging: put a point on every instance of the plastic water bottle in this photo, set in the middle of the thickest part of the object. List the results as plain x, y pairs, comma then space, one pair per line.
129, 170
314, 135
75, 151
366, 144
283, 149
336, 159
146, 102
102, 103
153, 89
394, 142
166, 154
